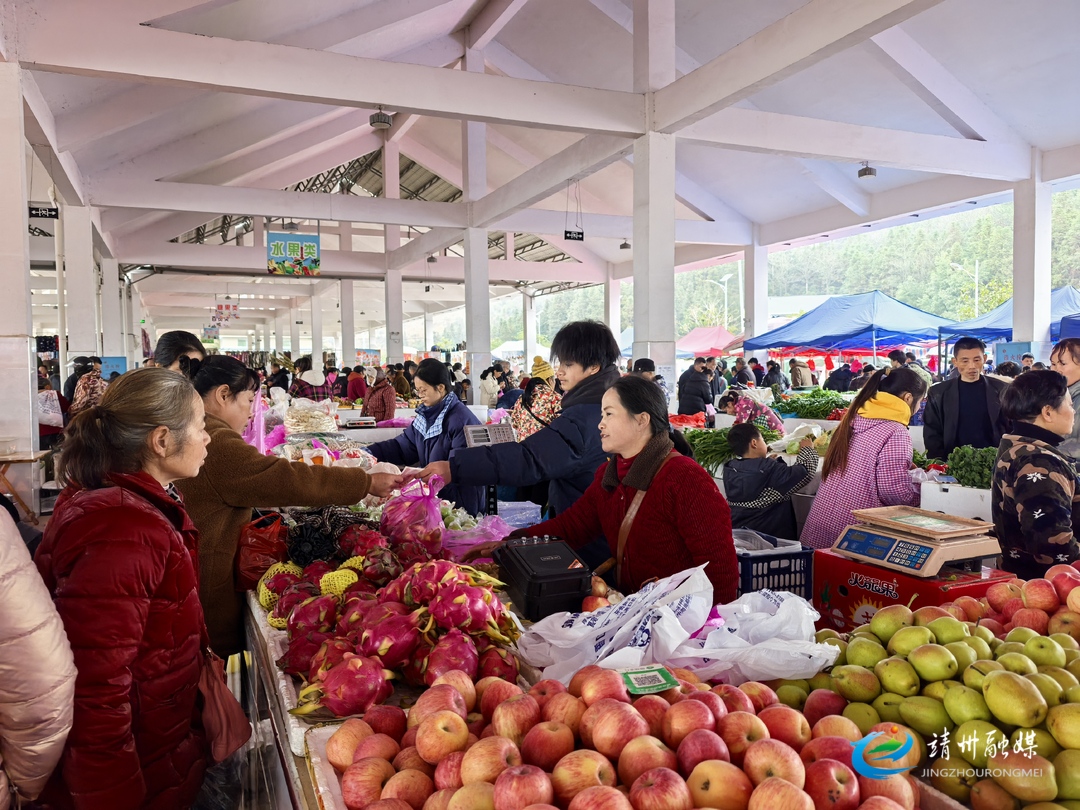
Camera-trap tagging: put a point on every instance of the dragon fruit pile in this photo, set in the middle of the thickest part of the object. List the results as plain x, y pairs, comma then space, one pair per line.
354, 628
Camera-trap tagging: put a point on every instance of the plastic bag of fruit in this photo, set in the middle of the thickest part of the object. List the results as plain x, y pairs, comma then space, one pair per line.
416, 511
490, 529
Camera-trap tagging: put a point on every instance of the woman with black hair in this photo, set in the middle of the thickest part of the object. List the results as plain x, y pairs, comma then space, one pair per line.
308, 382
869, 456
489, 387
1036, 518
237, 478
174, 349
436, 434
567, 452
660, 511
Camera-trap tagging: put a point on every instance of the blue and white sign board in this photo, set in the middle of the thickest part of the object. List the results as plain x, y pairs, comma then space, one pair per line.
292, 254
1014, 352
111, 364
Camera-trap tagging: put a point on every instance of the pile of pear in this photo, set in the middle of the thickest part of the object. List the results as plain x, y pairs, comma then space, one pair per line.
947, 679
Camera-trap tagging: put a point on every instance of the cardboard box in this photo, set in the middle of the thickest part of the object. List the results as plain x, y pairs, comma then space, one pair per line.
848, 592
953, 499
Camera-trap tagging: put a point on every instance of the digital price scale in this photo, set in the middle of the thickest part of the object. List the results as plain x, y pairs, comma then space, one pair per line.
485, 435
915, 541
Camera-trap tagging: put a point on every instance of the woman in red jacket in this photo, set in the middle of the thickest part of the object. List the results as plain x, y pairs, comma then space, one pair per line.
681, 520
120, 559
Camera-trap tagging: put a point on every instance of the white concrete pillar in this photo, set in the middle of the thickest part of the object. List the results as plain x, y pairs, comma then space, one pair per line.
613, 304
348, 325
429, 330
136, 308
81, 280
112, 321
258, 232
394, 306
1031, 256
530, 338
280, 317
294, 333
316, 332
510, 238
756, 288
18, 363
477, 272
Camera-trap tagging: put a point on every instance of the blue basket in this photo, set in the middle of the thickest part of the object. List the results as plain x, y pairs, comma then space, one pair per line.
778, 570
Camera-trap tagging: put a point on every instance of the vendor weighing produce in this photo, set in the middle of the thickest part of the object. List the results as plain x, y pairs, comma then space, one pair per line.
237, 478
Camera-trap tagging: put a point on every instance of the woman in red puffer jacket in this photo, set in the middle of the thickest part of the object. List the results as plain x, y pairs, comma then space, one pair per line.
120, 558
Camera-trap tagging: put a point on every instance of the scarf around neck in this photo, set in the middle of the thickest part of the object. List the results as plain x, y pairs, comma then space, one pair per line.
429, 418
886, 406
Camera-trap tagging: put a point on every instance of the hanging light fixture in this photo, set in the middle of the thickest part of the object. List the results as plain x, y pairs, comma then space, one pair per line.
867, 170
380, 120
290, 226
625, 245
431, 259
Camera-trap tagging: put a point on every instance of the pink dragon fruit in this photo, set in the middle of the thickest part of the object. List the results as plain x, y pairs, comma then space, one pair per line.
455, 650
430, 539
360, 588
431, 577
466, 607
280, 582
331, 652
411, 552
358, 540
498, 662
316, 615
353, 611
298, 655
413, 671
315, 571
393, 640
351, 687
381, 566
293, 596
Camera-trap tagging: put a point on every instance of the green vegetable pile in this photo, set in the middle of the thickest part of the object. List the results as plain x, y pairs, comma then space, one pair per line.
971, 467
711, 448
923, 461
816, 404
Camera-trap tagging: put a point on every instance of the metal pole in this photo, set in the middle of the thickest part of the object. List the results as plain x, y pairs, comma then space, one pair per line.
976, 288
726, 306
61, 309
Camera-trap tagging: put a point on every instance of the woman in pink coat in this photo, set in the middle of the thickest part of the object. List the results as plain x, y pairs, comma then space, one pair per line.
37, 674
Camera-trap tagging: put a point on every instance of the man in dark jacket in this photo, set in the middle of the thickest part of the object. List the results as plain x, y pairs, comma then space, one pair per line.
719, 384
759, 488
698, 366
964, 410
695, 392
567, 452
279, 377
757, 370
743, 376
839, 380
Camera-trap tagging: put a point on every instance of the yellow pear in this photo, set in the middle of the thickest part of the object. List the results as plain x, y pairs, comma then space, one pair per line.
1028, 778
897, 675
857, 684
1072, 694
964, 704
887, 705
865, 653
985, 633
907, 639
981, 646
828, 632
823, 680
863, 715
937, 689
1071, 655
1064, 723
986, 794
1008, 647
1014, 700
954, 777
1051, 689
933, 662
1064, 678
1037, 740
1066, 641
948, 629
926, 715
885, 622
1074, 667
973, 737
964, 654
1044, 651
791, 696
1018, 662
840, 644
1021, 634
973, 675
1067, 764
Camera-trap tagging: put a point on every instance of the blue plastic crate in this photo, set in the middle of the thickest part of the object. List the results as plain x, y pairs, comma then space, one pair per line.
782, 569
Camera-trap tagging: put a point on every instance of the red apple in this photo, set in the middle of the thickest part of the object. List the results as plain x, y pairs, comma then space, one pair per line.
411, 786
591, 603
836, 725
474, 796
495, 694
607, 683
642, 754
738, 731
448, 772
653, 708
522, 785
440, 735
734, 698
760, 694
993, 625
896, 787
483, 684
377, 745
391, 804
699, 746
684, 717
1065, 583
409, 737
1001, 592
779, 794
514, 717
439, 698
363, 781
543, 807
838, 748
832, 785
1040, 594
487, 759
591, 717
1035, 618
547, 743
600, 798
342, 745
1073, 599
718, 784
616, 727
1065, 621
660, 789
463, 683
972, 607
713, 701
579, 770
881, 803
410, 758
546, 689
1054, 570
766, 758
388, 720
476, 723
1009, 609
926, 614
566, 709
787, 725
580, 677
821, 703
440, 799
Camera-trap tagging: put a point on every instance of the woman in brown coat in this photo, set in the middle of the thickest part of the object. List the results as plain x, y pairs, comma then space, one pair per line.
381, 401
37, 674
237, 478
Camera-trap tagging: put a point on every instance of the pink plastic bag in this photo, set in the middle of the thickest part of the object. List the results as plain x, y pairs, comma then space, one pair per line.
490, 529
415, 515
255, 434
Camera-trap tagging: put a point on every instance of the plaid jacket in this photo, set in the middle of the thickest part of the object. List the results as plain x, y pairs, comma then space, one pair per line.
1035, 503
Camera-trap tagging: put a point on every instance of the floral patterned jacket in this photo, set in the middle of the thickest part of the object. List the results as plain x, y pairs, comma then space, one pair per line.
1035, 501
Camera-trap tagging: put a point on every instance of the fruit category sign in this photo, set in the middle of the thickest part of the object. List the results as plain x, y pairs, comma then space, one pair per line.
292, 254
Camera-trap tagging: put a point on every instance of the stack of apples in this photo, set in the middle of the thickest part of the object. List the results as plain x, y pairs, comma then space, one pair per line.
599, 596
986, 696
593, 745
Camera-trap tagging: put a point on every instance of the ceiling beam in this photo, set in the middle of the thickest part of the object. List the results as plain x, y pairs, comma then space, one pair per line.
808, 35
57, 42
781, 134
543, 222
491, 20
831, 179
421, 246
40, 128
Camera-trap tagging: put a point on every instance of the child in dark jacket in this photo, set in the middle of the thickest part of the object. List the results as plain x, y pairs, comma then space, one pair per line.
759, 488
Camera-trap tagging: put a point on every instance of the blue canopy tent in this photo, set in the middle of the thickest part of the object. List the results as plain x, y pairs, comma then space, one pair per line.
849, 322
1070, 327
997, 324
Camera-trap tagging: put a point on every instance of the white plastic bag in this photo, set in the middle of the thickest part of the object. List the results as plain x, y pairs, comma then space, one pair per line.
49, 412
781, 445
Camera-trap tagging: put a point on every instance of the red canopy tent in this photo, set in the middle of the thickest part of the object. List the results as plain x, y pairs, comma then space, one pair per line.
706, 340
